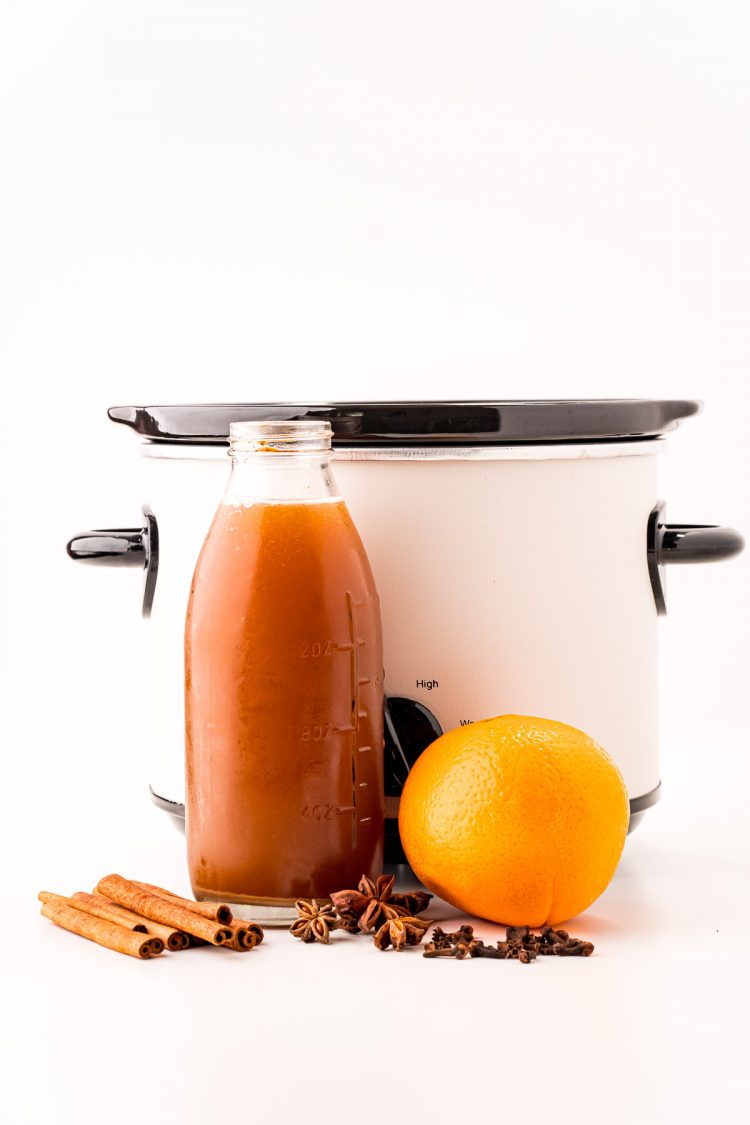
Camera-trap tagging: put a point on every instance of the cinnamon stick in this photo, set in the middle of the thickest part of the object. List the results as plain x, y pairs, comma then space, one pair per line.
242, 939
62, 912
81, 901
161, 909
251, 934
102, 907
216, 911
245, 935
256, 931
235, 944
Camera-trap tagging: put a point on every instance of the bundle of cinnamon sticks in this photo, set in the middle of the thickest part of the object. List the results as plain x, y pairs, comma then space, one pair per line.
142, 920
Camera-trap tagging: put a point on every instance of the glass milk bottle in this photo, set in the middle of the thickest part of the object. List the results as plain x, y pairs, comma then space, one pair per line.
283, 683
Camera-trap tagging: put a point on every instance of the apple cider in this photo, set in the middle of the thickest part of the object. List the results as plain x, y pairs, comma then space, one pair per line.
283, 682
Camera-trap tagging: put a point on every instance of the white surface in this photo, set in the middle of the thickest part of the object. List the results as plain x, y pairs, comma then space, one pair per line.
224, 201
649, 1029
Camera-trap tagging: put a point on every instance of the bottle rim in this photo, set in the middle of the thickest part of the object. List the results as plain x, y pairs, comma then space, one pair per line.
303, 436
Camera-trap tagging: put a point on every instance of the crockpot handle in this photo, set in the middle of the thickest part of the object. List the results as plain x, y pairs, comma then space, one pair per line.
123, 546
671, 543
696, 542
120, 546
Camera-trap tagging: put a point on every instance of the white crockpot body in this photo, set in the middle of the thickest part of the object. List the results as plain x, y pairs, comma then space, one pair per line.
511, 579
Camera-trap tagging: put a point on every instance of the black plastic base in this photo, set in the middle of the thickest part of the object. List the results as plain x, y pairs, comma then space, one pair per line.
638, 807
394, 852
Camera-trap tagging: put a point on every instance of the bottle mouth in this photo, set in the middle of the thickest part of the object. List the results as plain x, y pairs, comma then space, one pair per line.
279, 437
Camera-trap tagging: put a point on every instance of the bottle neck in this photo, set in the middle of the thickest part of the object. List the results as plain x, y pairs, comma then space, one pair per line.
278, 478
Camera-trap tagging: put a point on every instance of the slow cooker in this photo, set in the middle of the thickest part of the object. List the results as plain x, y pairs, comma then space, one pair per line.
485, 524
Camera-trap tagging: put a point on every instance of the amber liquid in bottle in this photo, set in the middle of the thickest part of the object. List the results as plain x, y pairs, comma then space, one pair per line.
284, 689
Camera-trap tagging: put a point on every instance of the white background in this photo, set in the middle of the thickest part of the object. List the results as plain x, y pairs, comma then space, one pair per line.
251, 201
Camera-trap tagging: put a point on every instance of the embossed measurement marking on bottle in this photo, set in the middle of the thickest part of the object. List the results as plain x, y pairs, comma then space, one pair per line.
316, 648
316, 732
320, 732
325, 811
359, 712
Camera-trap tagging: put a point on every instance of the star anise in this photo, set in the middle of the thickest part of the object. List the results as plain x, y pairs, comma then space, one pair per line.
314, 921
414, 901
400, 932
370, 906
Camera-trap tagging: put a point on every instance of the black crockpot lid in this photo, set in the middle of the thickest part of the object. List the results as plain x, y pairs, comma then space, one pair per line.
423, 423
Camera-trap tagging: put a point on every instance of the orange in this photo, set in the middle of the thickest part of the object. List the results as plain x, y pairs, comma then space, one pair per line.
515, 819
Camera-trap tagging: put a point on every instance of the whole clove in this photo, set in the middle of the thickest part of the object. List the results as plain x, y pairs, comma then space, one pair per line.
521, 944
575, 948
434, 950
480, 949
464, 934
516, 933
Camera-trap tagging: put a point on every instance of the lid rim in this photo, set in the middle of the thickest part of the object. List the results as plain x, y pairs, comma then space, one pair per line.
438, 422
